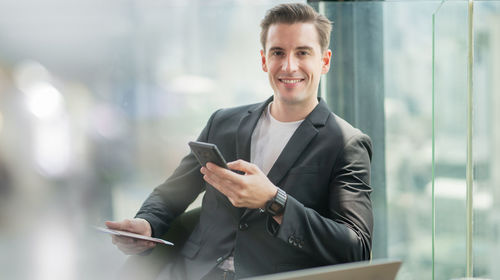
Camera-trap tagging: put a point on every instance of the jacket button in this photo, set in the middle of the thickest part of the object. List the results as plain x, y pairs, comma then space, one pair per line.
301, 244
219, 259
243, 226
290, 239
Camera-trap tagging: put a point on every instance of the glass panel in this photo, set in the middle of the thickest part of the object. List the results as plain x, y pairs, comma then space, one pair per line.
450, 139
408, 143
405, 30
408, 116
486, 135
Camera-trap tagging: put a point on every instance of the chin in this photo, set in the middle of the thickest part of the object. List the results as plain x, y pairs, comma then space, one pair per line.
292, 100
295, 98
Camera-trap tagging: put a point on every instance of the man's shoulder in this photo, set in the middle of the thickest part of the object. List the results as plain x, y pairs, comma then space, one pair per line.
238, 110
343, 128
340, 123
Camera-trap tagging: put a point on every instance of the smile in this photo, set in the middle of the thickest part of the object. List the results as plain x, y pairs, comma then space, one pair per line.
291, 81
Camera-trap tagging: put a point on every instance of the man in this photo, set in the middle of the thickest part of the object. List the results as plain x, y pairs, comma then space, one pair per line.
306, 167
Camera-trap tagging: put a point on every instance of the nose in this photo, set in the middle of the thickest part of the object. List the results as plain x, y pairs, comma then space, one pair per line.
290, 64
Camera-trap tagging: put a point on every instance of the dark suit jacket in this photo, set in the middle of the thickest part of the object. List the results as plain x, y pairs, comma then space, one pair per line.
325, 170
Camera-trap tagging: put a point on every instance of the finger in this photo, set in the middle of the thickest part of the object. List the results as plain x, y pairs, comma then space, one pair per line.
137, 247
127, 225
203, 170
224, 173
220, 184
134, 245
123, 240
144, 243
227, 188
244, 166
113, 224
216, 176
126, 247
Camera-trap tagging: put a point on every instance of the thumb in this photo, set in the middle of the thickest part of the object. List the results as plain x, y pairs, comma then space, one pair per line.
242, 165
113, 225
125, 225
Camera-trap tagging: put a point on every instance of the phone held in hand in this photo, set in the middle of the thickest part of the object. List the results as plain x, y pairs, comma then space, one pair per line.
207, 152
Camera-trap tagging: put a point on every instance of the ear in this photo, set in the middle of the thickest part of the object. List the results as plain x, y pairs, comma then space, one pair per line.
326, 59
263, 58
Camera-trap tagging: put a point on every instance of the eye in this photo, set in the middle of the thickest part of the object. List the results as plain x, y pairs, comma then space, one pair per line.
277, 53
303, 53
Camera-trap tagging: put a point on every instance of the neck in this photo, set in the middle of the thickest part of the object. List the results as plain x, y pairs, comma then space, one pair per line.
285, 112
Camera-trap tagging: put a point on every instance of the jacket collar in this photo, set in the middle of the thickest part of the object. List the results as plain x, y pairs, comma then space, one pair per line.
316, 118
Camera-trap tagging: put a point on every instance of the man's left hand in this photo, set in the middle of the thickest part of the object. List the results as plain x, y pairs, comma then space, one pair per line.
251, 190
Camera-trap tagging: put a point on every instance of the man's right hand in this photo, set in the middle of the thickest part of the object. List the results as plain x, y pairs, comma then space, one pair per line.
131, 246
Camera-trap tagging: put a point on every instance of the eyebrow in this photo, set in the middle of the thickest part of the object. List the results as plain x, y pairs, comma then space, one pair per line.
275, 49
307, 48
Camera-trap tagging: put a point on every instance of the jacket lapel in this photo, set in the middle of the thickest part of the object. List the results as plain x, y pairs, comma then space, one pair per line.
245, 130
299, 141
244, 136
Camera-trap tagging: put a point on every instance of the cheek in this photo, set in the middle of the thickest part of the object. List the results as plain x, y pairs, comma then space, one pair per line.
275, 64
274, 68
316, 71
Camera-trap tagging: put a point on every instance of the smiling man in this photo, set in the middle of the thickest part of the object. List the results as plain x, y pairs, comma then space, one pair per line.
295, 61
302, 197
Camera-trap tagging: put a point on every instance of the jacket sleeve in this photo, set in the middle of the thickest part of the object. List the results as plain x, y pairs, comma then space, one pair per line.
344, 234
170, 199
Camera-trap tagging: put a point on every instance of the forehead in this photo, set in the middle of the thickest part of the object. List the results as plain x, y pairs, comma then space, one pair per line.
285, 35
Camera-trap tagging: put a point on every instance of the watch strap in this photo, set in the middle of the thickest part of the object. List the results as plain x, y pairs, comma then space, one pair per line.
276, 205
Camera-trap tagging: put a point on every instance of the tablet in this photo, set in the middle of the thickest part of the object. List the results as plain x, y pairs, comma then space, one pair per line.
133, 235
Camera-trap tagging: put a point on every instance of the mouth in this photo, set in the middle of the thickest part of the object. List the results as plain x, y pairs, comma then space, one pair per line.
291, 82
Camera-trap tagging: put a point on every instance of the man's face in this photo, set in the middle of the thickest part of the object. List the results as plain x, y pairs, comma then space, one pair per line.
294, 61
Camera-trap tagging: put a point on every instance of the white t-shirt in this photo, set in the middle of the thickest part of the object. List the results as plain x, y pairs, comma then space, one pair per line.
269, 138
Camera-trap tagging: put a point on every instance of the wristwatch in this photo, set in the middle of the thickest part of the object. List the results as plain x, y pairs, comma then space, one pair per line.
276, 205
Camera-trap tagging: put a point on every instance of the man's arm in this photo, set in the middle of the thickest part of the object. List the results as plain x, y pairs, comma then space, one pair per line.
171, 198
345, 234
164, 204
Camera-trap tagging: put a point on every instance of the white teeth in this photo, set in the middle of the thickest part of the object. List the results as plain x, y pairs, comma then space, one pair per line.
290, 81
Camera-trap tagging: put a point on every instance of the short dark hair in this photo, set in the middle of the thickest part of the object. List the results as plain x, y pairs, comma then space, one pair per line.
294, 13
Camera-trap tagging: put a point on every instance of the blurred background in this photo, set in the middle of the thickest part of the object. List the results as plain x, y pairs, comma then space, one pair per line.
98, 100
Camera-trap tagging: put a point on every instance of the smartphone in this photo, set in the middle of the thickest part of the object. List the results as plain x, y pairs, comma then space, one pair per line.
207, 152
